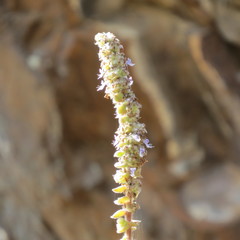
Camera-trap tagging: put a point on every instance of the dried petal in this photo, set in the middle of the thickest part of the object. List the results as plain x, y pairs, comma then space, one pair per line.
136, 189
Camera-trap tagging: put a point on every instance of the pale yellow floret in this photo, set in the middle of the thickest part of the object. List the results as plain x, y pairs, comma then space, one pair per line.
122, 200
120, 189
122, 225
119, 213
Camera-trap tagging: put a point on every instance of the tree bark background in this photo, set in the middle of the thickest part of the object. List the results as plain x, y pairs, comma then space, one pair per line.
56, 161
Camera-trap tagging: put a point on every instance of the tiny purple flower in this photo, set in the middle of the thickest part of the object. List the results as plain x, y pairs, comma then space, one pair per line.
142, 151
132, 172
136, 137
147, 143
129, 62
130, 81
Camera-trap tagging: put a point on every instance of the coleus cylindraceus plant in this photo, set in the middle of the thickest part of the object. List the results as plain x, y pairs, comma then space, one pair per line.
130, 139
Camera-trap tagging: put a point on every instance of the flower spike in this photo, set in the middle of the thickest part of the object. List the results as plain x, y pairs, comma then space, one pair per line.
130, 139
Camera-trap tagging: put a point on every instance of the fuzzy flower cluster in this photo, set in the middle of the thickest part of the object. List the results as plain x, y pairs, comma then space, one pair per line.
130, 139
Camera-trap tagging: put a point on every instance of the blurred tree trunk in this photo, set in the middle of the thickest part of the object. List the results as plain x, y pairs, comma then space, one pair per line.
56, 161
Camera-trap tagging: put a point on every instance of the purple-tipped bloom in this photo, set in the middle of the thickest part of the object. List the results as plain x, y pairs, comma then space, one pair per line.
136, 137
129, 62
142, 151
132, 172
147, 143
130, 81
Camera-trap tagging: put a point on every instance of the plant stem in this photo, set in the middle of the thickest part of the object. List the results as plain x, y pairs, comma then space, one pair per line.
129, 234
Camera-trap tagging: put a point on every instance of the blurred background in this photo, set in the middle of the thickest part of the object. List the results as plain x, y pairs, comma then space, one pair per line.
56, 130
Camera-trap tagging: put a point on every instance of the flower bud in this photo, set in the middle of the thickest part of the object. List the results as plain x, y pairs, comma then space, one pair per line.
122, 109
